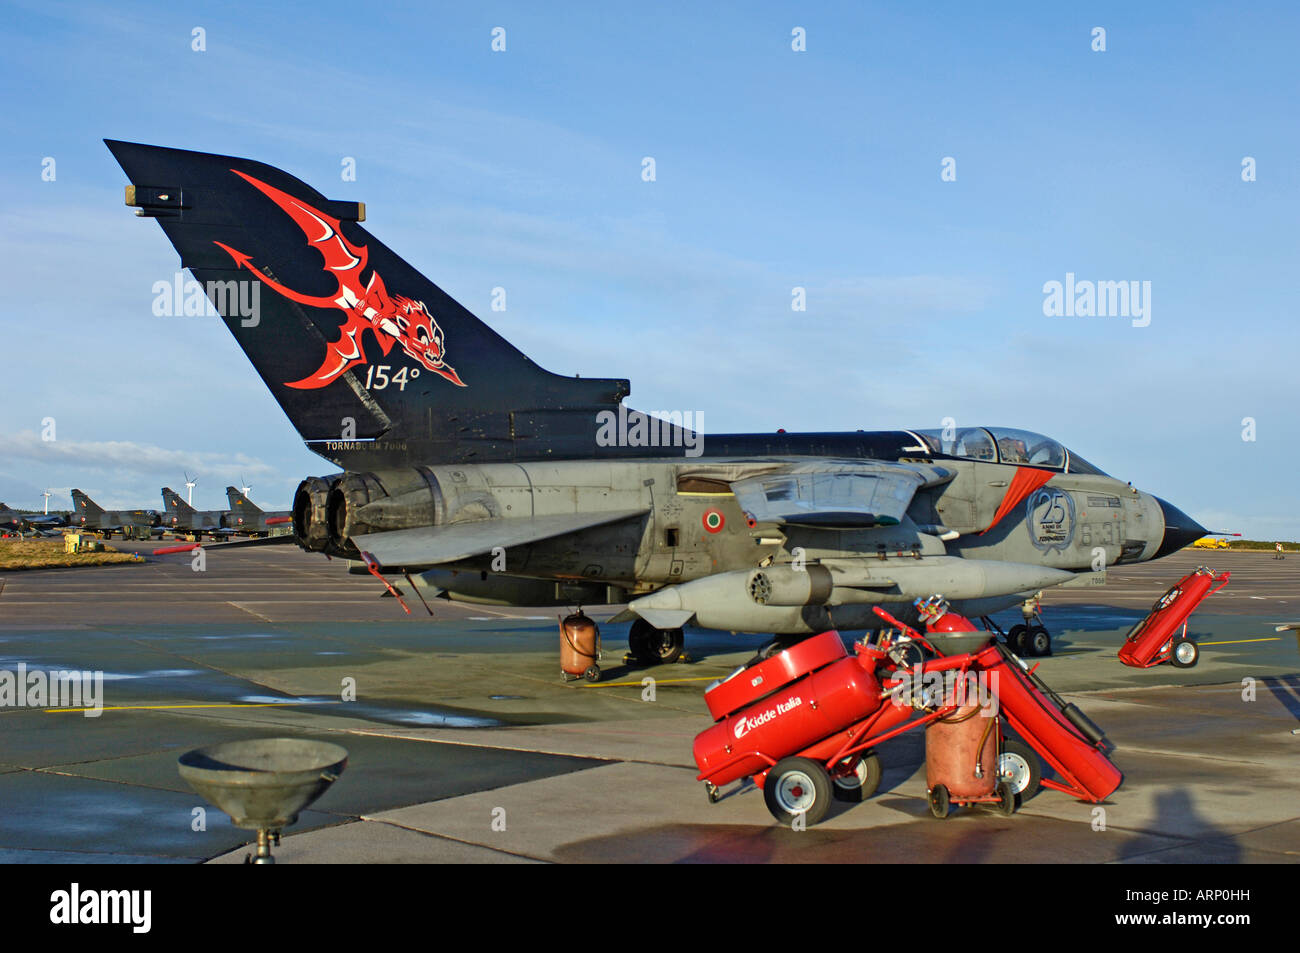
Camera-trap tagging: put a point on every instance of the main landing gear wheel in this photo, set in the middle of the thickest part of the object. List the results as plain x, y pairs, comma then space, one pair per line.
1020, 769
861, 783
797, 787
653, 646
638, 641
938, 798
1038, 641
1184, 653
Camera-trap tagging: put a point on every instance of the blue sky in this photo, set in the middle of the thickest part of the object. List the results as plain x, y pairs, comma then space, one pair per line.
775, 169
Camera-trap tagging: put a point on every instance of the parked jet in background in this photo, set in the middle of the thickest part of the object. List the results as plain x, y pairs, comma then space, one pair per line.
43, 523
180, 517
132, 524
501, 481
245, 516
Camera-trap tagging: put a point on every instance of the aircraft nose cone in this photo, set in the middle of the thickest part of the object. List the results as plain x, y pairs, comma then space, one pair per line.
1180, 529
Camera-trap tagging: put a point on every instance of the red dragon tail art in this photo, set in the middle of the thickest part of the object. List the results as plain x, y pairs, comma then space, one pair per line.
392, 318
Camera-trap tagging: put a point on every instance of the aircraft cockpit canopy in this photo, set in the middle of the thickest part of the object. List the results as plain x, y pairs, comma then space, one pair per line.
1005, 445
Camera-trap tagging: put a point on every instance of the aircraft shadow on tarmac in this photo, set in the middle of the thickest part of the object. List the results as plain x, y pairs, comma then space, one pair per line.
1176, 810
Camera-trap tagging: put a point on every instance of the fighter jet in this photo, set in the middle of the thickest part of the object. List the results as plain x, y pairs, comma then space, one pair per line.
245, 516
183, 518
44, 524
132, 524
499, 481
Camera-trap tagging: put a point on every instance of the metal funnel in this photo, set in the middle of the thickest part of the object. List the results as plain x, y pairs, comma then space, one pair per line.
958, 643
263, 784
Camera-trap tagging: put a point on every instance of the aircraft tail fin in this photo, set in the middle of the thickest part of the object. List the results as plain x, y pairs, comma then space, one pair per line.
240, 503
371, 361
174, 503
84, 505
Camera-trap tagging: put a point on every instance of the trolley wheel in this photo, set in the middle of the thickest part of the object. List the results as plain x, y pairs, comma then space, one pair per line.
1184, 653
592, 674
861, 783
1020, 769
1038, 641
711, 790
938, 798
1017, 639
797, 786
1006, 799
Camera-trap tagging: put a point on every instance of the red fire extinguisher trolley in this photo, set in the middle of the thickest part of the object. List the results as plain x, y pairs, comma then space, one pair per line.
804, 723
1152, 641
1057, 730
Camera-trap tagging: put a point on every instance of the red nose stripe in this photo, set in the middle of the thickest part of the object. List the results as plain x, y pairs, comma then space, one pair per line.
1026, 481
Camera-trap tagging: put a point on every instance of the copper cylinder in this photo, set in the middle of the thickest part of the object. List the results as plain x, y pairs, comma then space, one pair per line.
956, 747
579, 644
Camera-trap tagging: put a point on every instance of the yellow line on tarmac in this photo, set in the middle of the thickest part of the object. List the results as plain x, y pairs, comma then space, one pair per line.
657, 681
214, 705
1240, 641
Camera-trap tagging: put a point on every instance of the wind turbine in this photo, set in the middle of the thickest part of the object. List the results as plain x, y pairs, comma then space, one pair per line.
47, 494
244, 488
189, 486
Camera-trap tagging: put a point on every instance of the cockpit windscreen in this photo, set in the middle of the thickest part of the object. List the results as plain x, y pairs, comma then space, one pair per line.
1005, 445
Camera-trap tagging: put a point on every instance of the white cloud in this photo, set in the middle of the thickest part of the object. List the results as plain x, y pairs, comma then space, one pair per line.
131, 456
124, 473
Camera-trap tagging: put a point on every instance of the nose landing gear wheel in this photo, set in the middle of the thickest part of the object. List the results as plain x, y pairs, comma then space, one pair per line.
1185, 653
861, 783
1018, 639
1038, 641
795, 787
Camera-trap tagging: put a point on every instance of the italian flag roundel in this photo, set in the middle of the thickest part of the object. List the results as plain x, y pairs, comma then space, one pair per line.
714, 520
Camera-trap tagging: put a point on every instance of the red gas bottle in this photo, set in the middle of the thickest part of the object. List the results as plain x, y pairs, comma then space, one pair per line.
1152, 641
948, 632
790, 714
748, 685
1060, 733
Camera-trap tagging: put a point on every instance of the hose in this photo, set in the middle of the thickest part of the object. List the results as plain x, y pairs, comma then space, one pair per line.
956, 719
979, 752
